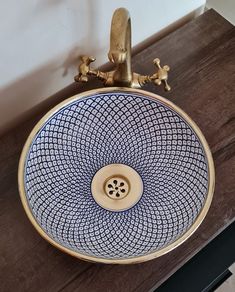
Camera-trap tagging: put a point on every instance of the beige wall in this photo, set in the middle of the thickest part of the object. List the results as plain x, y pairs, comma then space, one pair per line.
42, 39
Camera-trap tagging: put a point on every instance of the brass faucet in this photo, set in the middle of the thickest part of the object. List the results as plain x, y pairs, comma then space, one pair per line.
120, 55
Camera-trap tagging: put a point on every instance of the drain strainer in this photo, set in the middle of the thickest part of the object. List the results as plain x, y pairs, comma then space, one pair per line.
116, 187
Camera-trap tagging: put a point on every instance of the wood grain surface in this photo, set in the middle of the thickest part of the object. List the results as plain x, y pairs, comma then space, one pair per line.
201, 55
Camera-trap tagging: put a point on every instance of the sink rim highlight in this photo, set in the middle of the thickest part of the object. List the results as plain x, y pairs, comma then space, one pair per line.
131, 260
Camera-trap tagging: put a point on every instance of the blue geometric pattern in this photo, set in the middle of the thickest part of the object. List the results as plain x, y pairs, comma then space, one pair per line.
102, 129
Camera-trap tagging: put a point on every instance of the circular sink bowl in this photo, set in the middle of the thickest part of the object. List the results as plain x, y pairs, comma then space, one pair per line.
116, 175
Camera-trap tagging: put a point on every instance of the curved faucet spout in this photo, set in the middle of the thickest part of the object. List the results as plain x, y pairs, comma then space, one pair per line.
120, 47
120, 55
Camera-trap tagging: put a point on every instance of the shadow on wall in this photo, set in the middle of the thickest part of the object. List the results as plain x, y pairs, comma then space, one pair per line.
19, 97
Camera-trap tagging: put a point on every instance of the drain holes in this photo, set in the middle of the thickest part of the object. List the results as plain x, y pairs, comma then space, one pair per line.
116, 188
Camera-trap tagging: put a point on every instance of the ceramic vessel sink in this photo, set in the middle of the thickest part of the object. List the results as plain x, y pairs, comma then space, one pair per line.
116, 175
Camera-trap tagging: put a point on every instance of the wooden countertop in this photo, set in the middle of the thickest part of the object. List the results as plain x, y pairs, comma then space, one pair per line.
202, 59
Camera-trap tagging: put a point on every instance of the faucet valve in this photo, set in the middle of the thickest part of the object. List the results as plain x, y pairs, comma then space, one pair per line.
161, 75
138, 80
84, 69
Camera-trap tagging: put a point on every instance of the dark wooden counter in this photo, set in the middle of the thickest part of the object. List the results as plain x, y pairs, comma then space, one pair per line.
202, 59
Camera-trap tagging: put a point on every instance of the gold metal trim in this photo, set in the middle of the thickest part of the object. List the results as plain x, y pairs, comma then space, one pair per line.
192, 229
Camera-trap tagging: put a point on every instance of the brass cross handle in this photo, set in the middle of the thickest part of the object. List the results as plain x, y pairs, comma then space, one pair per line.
84, 69
161, 75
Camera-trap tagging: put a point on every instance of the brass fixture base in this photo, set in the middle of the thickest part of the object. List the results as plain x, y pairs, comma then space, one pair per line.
117, 187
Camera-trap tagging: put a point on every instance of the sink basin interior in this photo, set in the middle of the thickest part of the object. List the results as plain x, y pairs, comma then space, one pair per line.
151, 136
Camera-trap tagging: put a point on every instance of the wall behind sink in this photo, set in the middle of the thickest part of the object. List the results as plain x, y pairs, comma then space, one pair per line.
42, 39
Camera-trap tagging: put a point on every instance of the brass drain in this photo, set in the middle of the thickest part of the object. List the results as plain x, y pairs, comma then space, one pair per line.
116, 187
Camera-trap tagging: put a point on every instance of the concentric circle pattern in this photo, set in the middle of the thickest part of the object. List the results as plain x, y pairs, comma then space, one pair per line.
102, 129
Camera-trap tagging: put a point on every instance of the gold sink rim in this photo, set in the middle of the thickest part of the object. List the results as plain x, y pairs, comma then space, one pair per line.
132, 260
